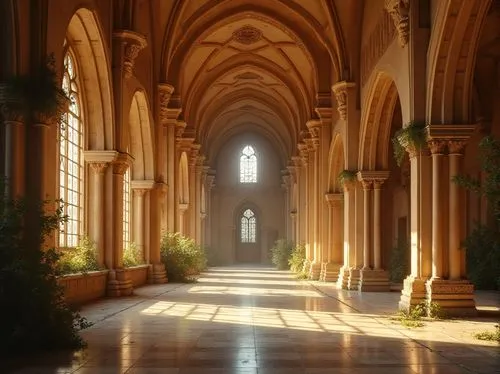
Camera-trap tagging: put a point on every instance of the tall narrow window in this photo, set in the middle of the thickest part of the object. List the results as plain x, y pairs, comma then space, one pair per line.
248, 227
70, 158
248, 165
126, 209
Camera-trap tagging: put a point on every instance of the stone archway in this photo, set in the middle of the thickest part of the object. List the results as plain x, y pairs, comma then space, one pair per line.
248, 233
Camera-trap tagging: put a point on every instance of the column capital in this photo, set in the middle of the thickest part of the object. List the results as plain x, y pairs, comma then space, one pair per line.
133, 43
184, 144
210, 181
183, 207
341, 89
367, 184
142, 184
456, 147
100, 156
399, 10
140, 191
160, 186
122, 163
437, 146
99, 166
180, 127
372, 175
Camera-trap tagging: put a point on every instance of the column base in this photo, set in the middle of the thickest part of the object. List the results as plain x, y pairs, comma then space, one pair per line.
314, 271
455, 297
374, 281
354, 278
343, 280
119, 284
413, 293
307, 266
330, 272
157, 274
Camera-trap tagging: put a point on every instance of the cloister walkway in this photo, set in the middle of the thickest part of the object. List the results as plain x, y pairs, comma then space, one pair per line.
247, 320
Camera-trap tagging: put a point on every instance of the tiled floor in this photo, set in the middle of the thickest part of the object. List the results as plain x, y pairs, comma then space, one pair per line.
257, 320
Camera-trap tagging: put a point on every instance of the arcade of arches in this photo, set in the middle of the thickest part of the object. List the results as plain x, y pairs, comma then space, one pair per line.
230, 121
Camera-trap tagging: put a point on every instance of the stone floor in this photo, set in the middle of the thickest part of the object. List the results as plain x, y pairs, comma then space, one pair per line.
245, 320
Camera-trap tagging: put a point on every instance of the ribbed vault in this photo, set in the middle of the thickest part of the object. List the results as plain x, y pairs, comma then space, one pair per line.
237, 66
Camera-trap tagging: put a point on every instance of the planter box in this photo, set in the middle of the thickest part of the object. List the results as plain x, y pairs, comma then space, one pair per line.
81, 288
138, 275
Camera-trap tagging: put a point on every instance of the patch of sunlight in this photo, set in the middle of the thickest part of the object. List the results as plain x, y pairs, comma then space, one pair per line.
292, 283
247, 291
253, 276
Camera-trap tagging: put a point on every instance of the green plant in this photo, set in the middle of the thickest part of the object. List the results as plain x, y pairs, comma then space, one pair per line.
412, 317
399, 263
33, 313
489, 335
38, 96
183, 258
281, 253
132, 256
81, 259
412, 135
483, 243
297, 258
346, 176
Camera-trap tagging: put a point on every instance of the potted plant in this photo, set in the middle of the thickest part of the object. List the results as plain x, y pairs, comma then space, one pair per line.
413, 135
346, 176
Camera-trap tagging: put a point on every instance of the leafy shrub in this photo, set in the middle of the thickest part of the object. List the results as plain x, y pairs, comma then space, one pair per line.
182, 257
483, 243
297, 258
280, 253
399, 263
489, 335
81, 259
132, 256
33, 313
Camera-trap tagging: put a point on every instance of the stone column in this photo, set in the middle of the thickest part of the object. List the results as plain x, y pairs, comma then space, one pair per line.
210, 182
314, 240
447, 288
183, 207
97, 225
333, 258
119, 283
349, 234
373, 277
197, 209
305, 217
157, 272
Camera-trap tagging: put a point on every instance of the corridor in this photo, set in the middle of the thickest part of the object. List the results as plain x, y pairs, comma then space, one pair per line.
244, 320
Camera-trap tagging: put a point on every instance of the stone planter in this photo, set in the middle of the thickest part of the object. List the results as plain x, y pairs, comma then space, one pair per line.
81, 288
138, 275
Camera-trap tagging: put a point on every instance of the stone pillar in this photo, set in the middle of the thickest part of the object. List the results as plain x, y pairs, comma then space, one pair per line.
157, 272
333, 259
373, 277
119, 283
183, 207
208, 221
447, 288
197, 209
414, 291
14, 149
314, 239
349, 234
305, 217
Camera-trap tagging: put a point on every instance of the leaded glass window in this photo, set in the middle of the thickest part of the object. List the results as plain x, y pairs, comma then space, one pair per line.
248, 165
126, 209
248, 227
71, 169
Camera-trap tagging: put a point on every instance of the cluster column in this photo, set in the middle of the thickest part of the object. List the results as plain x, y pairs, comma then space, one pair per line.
305, 188
448, 287
372, 276
343, 280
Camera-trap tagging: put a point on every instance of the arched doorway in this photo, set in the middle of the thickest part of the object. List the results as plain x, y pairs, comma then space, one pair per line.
248, 235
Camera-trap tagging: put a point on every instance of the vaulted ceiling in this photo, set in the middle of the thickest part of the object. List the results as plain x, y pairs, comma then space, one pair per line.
252, 65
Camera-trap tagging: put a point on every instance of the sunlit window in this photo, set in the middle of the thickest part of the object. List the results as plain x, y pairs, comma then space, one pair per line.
248, 165
248, 227
70, 158
126, 209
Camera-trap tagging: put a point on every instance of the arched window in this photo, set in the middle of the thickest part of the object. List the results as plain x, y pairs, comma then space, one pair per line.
71, 169
248, 227
126, 209
248, 165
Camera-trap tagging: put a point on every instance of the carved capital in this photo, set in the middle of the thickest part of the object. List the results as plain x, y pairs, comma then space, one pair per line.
165, 92
121, 163
132, 43
377, 183
366, 183
399, 10
139, 191
437, 146
334, 199
340, 90
456, 147
99, 167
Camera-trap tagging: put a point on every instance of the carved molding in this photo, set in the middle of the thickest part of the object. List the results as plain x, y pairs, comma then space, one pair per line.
247, 35
132, 43
399, 10
122, 163
456, 147
142, 184
340, 90
437, 146
99, 167
165, 92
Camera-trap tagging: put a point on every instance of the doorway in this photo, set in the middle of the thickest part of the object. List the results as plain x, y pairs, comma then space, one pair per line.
248, 237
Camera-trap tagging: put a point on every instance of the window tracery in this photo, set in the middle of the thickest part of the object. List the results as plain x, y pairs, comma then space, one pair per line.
248, 165
248, 227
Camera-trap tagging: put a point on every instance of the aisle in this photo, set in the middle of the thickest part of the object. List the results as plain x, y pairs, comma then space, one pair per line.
255, 320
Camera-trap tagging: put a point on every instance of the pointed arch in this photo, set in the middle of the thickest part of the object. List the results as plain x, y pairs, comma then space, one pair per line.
85, 36
141, 138
376, 122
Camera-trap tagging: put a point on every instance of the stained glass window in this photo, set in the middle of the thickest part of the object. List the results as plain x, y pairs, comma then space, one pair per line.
248, 227
248, 165
126, 209
71, 169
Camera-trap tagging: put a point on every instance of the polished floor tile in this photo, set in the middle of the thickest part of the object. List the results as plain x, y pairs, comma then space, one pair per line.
243, 320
